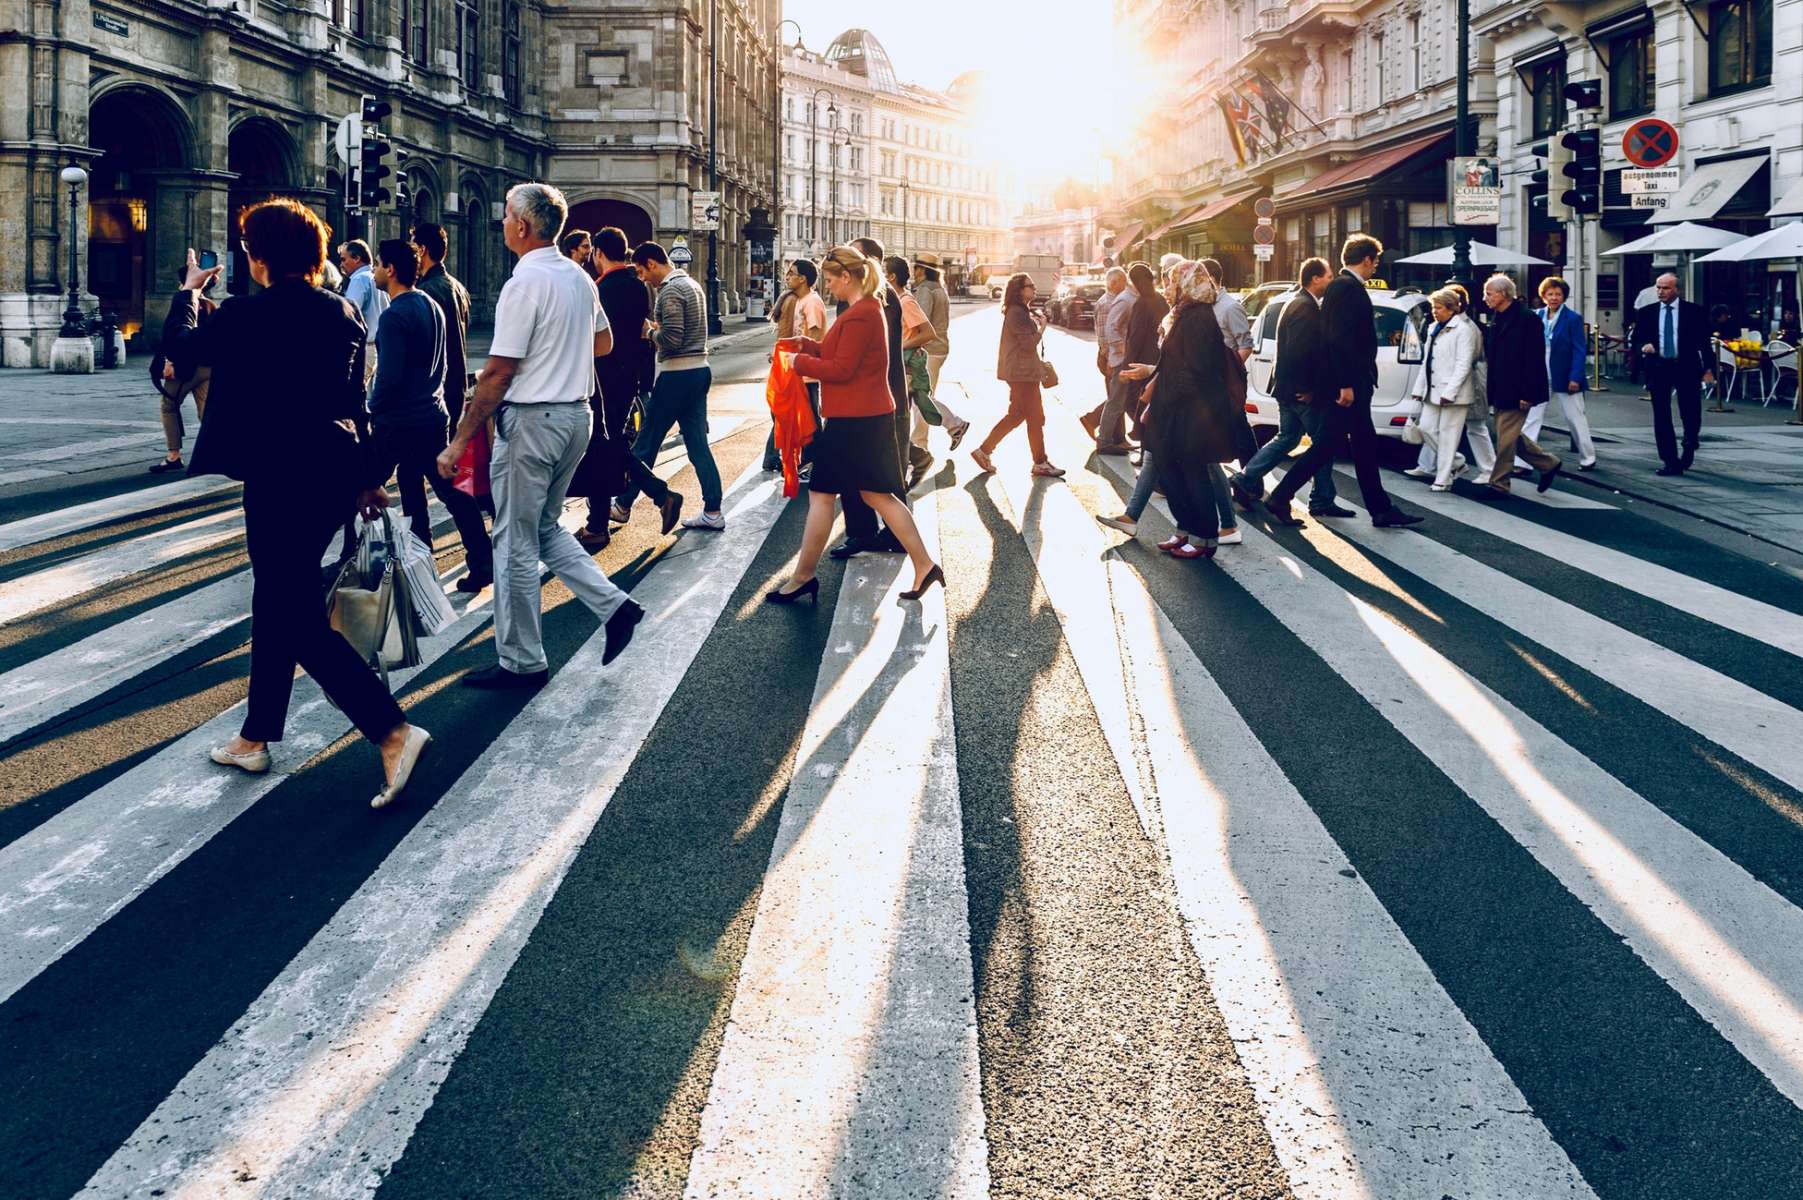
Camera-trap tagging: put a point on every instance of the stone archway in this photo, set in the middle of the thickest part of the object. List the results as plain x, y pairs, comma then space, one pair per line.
262, 155
135, 217
599, 213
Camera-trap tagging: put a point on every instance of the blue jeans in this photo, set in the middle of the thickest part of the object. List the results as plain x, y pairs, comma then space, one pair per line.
1148, 479
680, 398
1293, 420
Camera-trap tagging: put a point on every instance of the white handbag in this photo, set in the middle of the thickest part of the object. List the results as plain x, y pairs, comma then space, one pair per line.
368, 603
1411, 433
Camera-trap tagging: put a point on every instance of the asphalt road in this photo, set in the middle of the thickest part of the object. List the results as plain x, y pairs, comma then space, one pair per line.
1456, 862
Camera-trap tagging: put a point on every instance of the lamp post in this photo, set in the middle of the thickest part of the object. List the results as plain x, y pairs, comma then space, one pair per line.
834, 143
1461, 142
714, 327
74, 324
814, 159
776, 132
904, 206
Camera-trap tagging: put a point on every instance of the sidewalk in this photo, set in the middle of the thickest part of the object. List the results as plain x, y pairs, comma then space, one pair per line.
1748, 475
55, 427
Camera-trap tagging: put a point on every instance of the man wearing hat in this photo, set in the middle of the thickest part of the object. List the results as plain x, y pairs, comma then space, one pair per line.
930, 294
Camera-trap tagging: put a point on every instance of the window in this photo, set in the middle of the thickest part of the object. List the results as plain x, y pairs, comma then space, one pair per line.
1545, 82
1631, 73
1415, 74
788, 108
469, 43
510, 52
348, 15
1377, 57
789, 146
1346, 81
857, 123
1740, 44
415, 43
607, 68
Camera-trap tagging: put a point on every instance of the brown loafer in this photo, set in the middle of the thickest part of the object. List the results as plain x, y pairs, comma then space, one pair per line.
593, 539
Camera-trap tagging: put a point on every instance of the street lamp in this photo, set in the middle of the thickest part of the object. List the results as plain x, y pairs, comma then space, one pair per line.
776, 129
904, 207
1461, 142
832, 110
713, 169
74, 324
835, 143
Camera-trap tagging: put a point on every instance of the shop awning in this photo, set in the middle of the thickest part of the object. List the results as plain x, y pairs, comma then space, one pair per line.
1366, 169
1213, 210
1790, 204
1126, 237
1708, 190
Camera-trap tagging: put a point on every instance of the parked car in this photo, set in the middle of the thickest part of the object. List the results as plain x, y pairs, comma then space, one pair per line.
1255, 299
1402, 320
1073, 305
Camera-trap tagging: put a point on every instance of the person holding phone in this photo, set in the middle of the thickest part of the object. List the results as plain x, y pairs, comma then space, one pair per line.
173, 389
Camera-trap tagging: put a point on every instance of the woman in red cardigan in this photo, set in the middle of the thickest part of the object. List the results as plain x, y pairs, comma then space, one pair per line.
855, 449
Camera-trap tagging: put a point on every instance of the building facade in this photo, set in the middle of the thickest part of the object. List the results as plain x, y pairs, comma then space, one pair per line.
865, 152
1341, 112
631, 94
184, 111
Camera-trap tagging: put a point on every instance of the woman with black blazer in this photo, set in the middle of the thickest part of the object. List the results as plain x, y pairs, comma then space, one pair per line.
1191, 421
284, 415
1017, 365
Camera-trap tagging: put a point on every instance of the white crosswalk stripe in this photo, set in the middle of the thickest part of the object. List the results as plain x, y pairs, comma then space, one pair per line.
853, 1062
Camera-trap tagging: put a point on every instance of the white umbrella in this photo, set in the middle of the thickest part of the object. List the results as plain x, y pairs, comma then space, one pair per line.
1683, 237
1483, 254
1785, 241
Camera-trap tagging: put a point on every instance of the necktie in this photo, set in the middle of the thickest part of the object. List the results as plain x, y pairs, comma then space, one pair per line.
1668, 337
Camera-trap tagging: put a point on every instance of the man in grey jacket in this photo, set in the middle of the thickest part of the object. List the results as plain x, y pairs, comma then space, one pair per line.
679, 396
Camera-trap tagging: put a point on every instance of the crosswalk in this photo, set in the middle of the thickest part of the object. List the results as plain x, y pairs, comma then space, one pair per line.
1478, 843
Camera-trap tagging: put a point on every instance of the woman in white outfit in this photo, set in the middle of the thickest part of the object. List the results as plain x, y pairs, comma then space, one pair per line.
1445, 384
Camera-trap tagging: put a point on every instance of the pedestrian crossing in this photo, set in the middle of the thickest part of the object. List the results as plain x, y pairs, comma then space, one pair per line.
1483, 837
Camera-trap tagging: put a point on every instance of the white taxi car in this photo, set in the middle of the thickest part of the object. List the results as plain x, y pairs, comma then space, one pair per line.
1402, 318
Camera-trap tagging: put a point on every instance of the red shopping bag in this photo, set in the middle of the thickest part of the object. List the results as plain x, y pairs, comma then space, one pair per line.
790, 413
472, 468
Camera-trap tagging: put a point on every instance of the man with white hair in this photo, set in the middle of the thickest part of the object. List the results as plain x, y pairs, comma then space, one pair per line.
1107, 423
1514, 350
549, 330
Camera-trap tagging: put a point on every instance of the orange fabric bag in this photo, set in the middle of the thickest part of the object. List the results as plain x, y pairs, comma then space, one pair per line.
787, 394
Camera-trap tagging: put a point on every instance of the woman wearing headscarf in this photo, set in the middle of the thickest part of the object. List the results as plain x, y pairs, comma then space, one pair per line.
1017, 365
1190, 422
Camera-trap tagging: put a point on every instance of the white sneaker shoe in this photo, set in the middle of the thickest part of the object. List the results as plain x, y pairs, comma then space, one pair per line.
256, 762
1458, 463
713, 522
1418, 473
1230, 538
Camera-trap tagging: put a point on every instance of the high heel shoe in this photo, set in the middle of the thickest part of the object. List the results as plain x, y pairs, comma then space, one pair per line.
811, 589
935, 575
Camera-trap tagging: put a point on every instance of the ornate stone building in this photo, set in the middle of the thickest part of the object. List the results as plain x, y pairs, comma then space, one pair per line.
628, 86
184, 111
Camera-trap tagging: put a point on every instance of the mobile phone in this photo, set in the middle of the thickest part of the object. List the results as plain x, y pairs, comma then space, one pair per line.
209, 259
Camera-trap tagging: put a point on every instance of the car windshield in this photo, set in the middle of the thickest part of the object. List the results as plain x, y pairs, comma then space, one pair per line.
1403, 330
1267, 320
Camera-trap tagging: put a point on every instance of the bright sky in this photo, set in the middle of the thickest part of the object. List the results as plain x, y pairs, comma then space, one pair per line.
1045, 61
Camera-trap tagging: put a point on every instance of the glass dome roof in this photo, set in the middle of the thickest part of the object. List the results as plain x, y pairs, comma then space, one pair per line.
858, 51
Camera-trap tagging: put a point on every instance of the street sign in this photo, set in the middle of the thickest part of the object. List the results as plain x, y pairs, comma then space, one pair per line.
346, 136
1638, 181
680, 254
1264, 208
1263, 251
1649, 200
1474, 191
704, 211
1650, 142
1263, 235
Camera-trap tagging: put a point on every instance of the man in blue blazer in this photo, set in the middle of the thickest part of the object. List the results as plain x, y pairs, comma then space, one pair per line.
1566, 352
1676, 346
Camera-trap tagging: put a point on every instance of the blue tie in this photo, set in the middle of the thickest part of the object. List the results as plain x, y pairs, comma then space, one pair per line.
1670, 347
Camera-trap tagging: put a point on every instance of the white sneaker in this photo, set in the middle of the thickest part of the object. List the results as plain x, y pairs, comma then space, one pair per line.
713, 522
1458, 463
1230, 538
1439, 487
1418, 473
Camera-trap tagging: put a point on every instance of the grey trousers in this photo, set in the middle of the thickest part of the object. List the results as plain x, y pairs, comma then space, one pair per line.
537, 450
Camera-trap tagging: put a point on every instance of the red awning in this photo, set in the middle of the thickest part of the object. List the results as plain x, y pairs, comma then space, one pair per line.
1128, 236
1206, 212
1365, 169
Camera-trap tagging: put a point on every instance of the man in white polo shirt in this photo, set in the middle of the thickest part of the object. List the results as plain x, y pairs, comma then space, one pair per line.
549, 330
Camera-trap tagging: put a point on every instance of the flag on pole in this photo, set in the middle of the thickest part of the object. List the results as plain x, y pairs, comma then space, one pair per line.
1276, 105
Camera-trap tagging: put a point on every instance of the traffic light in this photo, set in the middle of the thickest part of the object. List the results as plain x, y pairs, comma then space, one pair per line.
1585, 170
372, 153
1551, 177
1585, 93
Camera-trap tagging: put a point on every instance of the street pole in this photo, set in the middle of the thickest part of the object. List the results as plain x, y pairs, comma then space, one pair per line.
1461, 145
713, 168
833, 230
904, 204
73, 322
776, 143
814, 164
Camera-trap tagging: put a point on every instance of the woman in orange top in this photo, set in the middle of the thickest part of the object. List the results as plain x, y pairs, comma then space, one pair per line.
855, 449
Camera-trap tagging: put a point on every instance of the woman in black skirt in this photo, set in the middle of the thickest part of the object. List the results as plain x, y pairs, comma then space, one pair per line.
855, 448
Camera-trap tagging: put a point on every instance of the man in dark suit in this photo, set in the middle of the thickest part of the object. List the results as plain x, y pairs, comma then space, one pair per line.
430, 245
1349, 333
1672, 335
1515, 349
1296, 383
